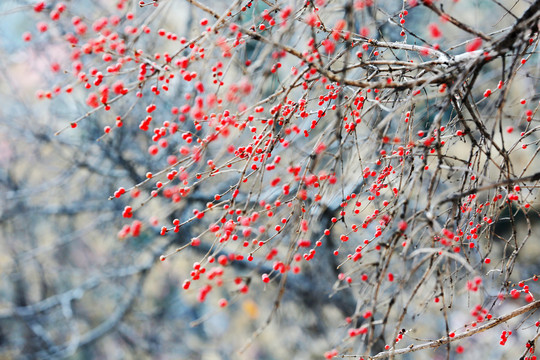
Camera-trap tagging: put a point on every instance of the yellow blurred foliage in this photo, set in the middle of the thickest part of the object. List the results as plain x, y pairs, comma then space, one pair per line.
250, 307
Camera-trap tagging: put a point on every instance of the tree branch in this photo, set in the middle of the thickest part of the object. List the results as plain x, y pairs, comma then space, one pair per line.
445, 340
